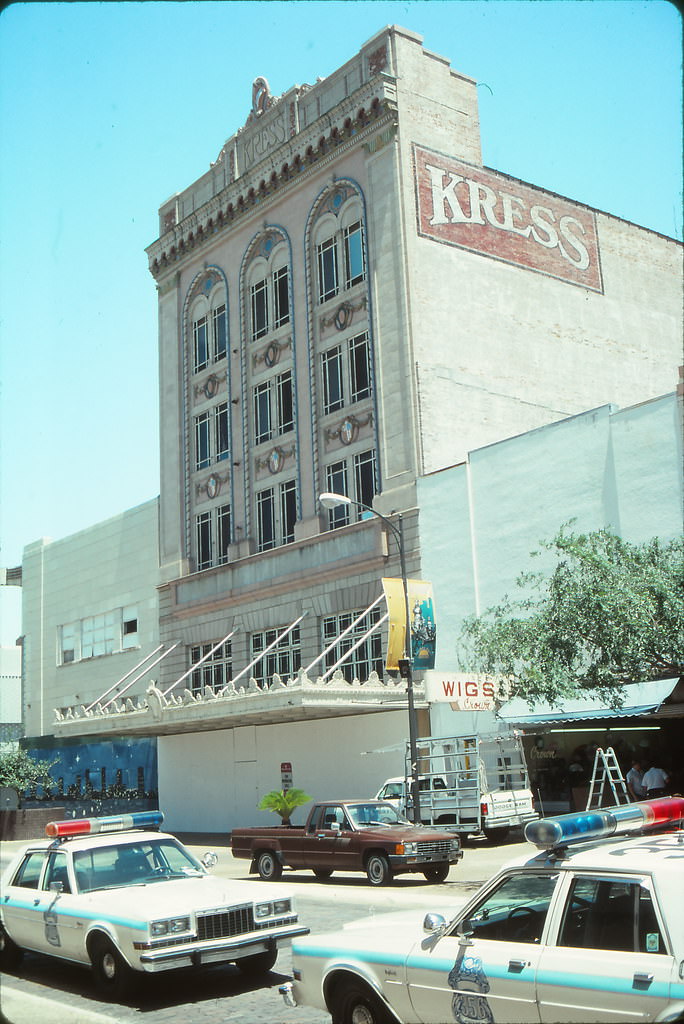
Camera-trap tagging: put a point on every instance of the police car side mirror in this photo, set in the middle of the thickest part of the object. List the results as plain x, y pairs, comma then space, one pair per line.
434, 923
209, 860
56, 887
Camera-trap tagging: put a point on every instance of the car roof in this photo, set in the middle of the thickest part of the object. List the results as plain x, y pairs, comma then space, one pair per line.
661, 854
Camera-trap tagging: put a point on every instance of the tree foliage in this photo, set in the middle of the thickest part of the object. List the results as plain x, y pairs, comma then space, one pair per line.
18, 770
283, 802
610, 613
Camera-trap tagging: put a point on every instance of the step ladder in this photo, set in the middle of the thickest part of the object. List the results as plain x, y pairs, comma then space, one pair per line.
606, 773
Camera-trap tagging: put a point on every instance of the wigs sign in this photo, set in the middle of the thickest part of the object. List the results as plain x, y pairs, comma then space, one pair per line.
465, 692
493, 215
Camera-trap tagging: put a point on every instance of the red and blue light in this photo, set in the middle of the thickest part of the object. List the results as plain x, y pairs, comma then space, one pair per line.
548, 833
92, 826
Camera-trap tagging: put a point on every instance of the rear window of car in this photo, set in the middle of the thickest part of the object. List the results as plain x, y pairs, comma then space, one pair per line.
29, 871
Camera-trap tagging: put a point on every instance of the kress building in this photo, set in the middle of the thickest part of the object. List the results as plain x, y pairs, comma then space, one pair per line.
350, 302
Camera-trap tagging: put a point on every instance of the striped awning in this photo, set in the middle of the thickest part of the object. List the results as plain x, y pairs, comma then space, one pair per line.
639, 699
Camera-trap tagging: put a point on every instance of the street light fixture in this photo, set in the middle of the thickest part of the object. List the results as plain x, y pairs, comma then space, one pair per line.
331, 500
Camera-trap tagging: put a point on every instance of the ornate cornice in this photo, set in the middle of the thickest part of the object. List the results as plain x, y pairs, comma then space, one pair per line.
300, 157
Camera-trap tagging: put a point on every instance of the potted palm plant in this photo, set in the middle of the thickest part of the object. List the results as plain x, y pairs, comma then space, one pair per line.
283, 802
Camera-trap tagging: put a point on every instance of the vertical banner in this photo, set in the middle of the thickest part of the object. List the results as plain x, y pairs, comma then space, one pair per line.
422, 618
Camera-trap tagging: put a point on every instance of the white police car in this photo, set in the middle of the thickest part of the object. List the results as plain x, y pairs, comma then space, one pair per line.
126, 902
591, 929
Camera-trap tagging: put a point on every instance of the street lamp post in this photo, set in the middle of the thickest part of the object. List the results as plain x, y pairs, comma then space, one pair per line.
330, 500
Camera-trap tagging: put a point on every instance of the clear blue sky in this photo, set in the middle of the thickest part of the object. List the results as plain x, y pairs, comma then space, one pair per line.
108, 109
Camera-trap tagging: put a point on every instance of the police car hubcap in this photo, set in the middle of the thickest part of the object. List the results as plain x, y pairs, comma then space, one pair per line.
109, 966
362, 1015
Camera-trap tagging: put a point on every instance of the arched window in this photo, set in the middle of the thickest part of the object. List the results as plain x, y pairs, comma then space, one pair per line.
209, 326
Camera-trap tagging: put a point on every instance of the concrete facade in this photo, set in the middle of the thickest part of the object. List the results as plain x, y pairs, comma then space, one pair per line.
11, 726
616, 469
89, 581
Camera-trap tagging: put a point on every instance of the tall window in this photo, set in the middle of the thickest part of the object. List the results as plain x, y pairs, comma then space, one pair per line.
216, 671
269, 296
359, 368
346, 371
367, 657
266, 524
354, 263
333, 380
201, 343
337, 483
281, 297
262, 412
220, 333
259, 298
202, 443
284, 659
204, 540
362, 472
273, 408
223, 532
221, 427
209, 334
288, 510
213, 536
365, 477
276, 515
327, 269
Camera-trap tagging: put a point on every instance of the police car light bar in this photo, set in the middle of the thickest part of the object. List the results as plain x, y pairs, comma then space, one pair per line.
91, 826
548, 833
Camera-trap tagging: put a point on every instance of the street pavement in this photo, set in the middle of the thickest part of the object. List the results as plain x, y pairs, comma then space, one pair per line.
52, 992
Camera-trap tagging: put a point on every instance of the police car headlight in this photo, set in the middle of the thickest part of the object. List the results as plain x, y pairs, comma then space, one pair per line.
170, 927
179, 924
282, 906
263, 910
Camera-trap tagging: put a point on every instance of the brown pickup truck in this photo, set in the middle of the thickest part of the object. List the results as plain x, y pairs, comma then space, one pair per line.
350, 835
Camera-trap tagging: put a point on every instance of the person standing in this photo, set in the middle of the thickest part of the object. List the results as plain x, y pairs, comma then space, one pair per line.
635, 781
655, 782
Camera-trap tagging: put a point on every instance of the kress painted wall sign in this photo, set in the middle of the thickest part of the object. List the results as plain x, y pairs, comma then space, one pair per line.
494, 215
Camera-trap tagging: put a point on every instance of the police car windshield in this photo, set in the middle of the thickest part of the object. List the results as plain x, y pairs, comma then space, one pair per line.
371, 815
133, 863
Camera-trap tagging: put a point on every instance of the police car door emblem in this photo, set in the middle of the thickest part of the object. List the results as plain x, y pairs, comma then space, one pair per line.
468, 1004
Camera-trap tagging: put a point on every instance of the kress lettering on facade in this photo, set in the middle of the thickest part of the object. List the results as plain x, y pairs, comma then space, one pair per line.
483, 204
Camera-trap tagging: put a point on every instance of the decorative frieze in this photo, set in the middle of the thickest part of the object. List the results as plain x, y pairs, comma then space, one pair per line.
348, 430
271, 354
275, 460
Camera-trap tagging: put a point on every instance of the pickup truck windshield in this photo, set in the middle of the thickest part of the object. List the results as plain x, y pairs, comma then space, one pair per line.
371, 815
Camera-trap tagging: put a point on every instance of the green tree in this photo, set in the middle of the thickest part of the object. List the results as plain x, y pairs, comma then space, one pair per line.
18, 770
283, 802
609, 613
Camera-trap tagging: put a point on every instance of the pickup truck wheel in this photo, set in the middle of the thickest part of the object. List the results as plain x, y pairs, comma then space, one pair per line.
356, 1004
497, 835
260, 963
436, 872
269, 867
378, 870
11, 955
114, 977
323, 874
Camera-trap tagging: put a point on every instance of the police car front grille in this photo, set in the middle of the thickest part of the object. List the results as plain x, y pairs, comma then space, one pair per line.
222, 924
438, 846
